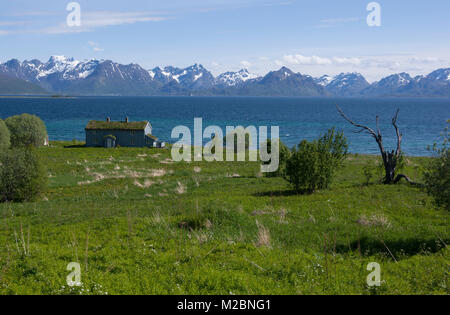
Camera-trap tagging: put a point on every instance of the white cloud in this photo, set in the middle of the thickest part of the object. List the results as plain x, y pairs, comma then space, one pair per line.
246, 64
102, 19
90, 21
327, 23
347, 61
304, 60
424, 60
95, 46
13, 23
373, 67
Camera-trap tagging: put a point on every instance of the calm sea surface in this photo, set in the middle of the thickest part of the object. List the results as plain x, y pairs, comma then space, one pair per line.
420, 120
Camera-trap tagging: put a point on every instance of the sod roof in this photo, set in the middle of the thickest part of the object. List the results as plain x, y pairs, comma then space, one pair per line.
116, 125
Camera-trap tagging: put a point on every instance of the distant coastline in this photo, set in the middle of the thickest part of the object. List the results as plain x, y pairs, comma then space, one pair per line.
36, 96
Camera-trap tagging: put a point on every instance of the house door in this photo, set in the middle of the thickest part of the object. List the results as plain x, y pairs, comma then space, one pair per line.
109, 143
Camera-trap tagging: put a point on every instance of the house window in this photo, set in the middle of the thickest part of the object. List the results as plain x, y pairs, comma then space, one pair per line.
132, 141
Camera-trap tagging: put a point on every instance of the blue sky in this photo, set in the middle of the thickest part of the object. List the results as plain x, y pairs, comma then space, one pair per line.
308, 36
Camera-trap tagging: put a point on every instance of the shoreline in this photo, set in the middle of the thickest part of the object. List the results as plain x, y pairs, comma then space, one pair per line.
80, 144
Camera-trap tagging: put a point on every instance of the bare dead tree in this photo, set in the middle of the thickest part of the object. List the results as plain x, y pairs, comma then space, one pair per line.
390, 159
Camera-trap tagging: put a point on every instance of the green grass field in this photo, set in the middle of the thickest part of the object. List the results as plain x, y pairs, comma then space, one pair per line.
139, 223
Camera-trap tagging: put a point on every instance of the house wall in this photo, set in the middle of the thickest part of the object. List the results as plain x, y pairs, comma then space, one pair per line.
124, 138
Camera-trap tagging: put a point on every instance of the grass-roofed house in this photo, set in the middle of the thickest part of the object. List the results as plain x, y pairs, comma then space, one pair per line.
110, 134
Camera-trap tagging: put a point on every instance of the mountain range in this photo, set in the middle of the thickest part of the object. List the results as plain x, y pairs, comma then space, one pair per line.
61, 75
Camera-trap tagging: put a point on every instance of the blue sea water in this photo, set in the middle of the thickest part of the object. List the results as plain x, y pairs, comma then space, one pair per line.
421, 120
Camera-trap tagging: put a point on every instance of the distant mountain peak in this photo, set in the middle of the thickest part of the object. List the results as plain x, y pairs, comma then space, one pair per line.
60, 58
285, 71
344, 84
196, 66
235, 78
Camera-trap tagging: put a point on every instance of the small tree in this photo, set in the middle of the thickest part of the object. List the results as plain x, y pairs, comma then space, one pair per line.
22, 174
312, 165
26, 130
4, 136
437, 173
284, 155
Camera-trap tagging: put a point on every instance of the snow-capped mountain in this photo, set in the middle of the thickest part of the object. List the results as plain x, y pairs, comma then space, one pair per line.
324, 80
35, 70
234, 78
105, 77
436, 83
67, 75
345, 84
391, 85
283, 82
442, 75
166, 74
194, 77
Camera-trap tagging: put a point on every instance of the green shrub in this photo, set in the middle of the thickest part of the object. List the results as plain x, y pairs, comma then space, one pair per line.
22, 174
26, 130
285, 154
4, 136
437, 174
313, 164
368, 172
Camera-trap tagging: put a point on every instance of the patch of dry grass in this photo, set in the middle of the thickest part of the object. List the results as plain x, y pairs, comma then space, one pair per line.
263, 238
375, 220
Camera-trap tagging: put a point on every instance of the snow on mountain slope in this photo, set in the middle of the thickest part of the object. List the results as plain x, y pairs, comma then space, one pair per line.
234, 78
440, 75
195, 76
324, 80
347, 84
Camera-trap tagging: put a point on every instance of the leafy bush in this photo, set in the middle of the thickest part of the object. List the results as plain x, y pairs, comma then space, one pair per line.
285, 154
4, 136
313, 164
22, 174
437, 174
26, 130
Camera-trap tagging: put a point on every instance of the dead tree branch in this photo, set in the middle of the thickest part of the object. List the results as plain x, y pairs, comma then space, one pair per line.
390, 159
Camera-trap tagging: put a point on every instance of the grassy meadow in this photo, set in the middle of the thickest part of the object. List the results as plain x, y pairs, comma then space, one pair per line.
139, 223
